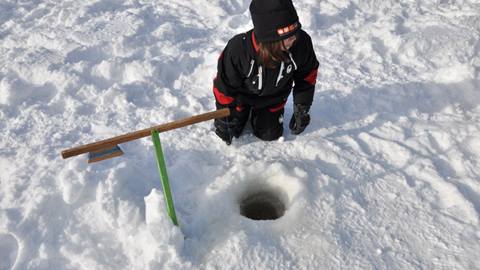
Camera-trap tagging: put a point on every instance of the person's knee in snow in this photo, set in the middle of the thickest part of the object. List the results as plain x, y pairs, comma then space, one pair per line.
231, 126
267, 124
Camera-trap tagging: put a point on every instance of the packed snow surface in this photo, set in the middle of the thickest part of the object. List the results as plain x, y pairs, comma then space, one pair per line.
387, 176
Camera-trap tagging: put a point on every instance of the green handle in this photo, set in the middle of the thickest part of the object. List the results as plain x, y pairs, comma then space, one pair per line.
162, 169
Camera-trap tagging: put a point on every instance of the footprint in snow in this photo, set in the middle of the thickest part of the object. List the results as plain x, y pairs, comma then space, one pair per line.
8, 251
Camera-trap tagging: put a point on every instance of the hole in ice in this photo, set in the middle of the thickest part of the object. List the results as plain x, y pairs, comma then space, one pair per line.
262, 205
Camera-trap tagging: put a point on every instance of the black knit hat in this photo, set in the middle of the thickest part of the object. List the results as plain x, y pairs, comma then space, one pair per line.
274, 20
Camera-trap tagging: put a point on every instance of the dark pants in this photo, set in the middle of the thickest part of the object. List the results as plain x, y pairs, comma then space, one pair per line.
267, 123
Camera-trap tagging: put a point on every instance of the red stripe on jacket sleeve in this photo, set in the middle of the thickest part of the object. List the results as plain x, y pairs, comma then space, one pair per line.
222, 98
312, 77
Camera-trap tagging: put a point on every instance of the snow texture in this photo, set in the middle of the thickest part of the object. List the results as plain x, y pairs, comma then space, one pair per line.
387, 175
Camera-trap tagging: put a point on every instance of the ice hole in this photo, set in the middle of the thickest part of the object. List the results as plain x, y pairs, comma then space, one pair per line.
262, 205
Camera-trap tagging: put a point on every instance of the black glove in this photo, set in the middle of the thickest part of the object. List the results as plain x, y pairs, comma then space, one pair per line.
226, 129
300, 118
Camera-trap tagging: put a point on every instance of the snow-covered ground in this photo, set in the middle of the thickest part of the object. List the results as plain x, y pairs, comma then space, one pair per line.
387, 176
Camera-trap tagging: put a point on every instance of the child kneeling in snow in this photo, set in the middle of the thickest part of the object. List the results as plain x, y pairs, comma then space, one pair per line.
258, 69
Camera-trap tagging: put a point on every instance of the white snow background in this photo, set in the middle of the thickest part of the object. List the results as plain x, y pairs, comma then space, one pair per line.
385, 177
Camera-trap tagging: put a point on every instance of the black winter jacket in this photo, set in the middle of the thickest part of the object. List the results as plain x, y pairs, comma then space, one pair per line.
242, 80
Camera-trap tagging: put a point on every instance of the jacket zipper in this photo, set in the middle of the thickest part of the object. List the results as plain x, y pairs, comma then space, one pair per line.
279, 77
291, 58
251, 67
260, 77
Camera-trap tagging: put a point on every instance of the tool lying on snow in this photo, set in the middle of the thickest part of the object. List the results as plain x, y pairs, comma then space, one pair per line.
109, 148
